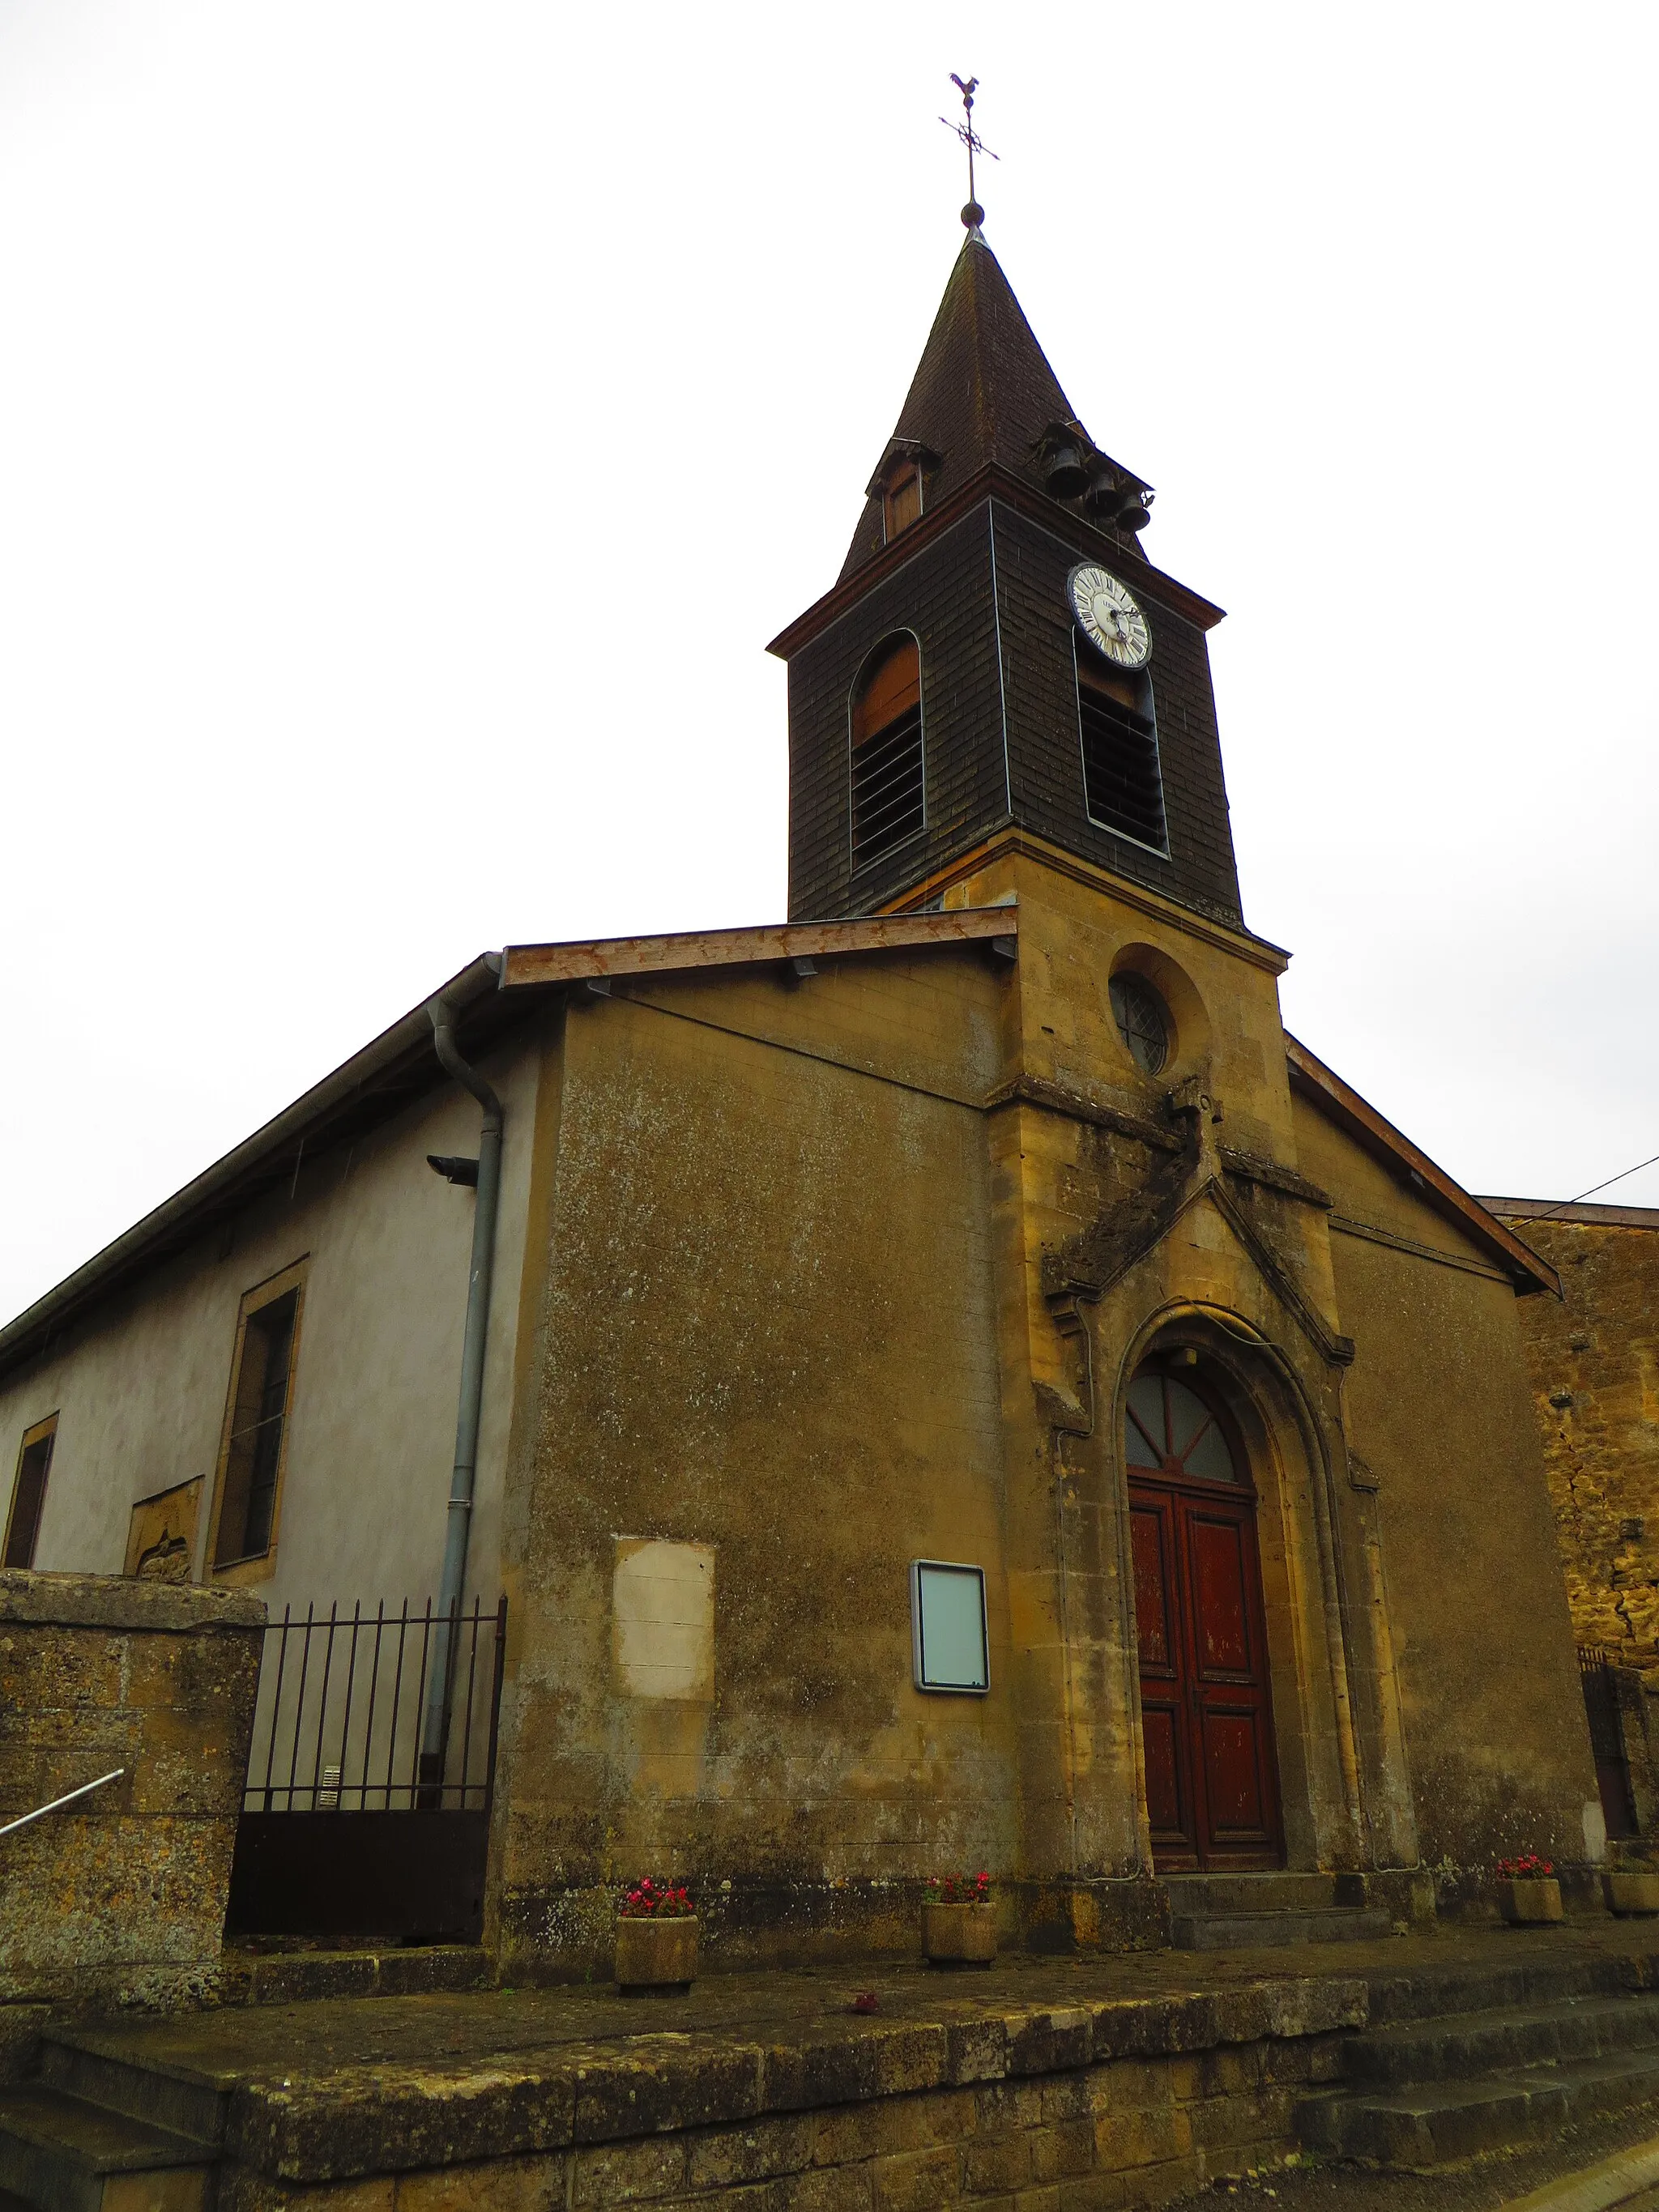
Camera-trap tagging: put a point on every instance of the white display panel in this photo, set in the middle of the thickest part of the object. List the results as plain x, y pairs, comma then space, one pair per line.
947, 1628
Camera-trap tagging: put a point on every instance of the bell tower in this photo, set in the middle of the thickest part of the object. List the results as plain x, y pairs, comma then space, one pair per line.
998, 655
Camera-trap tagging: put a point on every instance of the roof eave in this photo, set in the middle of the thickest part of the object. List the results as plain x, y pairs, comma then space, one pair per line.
1378, 1136
245, 1172
233, 1179
992, 481
535, 965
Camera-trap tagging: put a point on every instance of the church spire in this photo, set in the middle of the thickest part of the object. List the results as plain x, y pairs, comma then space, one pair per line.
999, 660
983, 392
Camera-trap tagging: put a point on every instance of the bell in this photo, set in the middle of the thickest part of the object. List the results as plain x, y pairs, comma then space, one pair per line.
1104, 496
1135, 515
1064, 472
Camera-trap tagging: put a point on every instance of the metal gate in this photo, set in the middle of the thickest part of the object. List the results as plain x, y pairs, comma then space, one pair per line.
352, 1823
1601, 1687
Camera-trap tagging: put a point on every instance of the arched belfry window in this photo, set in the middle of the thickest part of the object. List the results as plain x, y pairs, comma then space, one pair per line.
1122, 785
887, 762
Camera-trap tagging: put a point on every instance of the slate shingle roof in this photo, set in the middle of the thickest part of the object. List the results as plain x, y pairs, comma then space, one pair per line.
982, 391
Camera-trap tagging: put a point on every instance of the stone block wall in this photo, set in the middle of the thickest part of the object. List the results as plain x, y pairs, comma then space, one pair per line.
120, 1898
1593, 1361
1593, 1357
1061, 2108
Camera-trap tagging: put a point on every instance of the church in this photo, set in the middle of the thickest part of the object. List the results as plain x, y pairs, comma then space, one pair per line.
945, 1382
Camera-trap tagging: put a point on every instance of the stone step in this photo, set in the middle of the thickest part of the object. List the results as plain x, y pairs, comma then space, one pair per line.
60, 2153
1461, 2044
1436, 2124
1426, 1992
1276, 1890
263, 1977
1232, 1931
181, 2104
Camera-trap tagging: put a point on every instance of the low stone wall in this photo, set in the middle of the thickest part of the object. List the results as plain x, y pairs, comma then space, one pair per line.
1121, 2102
748, 1925
120, 1899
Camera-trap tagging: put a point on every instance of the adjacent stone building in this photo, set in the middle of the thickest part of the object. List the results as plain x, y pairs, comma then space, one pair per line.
1592, 1358
1593, 1355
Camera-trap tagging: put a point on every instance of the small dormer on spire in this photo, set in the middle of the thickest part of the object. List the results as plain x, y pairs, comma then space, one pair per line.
900, 482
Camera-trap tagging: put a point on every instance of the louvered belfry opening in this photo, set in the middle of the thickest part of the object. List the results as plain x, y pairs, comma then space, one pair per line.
1122, 785
888, 804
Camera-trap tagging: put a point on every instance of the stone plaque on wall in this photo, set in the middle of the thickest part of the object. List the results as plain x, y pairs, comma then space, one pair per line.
162, 1540
663, 1618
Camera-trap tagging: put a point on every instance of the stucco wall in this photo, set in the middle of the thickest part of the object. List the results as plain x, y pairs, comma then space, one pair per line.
140, 1389
768, 1331
1439, 1413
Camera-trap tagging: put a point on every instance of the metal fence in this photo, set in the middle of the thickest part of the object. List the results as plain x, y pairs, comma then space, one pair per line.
366, 1805
342, 1721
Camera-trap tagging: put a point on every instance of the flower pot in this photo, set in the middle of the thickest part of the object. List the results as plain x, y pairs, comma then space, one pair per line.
959, 1935
1628, 1894
656, 1954
1532, 1904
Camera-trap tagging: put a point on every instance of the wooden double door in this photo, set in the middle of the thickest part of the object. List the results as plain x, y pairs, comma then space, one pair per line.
1206, 1713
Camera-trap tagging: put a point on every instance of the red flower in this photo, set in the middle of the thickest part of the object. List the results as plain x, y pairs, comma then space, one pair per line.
957, 1889
1528, 1868
648, 1900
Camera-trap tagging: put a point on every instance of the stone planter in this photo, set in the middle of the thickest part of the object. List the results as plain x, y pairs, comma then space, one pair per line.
1535, 1904
658, 1954
1629, 1895
959, 1935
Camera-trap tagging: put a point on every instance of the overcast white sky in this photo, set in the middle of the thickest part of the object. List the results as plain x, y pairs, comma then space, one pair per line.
414, 421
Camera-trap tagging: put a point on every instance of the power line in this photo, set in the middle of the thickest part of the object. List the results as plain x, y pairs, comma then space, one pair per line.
1524, 1219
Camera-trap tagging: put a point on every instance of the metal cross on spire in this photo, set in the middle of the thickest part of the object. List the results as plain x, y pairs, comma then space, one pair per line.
972, 214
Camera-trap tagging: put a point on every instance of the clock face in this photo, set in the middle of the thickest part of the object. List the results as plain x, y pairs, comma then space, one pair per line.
1109, 616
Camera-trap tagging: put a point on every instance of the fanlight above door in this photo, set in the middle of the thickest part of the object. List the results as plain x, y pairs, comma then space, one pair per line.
1169, 1427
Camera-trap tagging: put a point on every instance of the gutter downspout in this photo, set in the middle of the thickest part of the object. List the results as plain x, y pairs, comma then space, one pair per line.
439, 1694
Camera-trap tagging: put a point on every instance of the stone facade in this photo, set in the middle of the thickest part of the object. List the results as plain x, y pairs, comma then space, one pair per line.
120, 1898
833, 1253
829, 1275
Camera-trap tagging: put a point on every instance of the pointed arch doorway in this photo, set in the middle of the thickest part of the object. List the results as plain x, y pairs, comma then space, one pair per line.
1207, 1711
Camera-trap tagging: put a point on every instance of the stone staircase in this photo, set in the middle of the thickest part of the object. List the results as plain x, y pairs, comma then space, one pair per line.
92, 2134
1450, 2069
1230, 1911
1468, 2049
95, 2134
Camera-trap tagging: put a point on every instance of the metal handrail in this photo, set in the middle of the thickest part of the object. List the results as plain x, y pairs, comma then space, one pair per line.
114, 1775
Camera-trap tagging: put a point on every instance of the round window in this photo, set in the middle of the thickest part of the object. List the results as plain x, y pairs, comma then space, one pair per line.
1143, 1021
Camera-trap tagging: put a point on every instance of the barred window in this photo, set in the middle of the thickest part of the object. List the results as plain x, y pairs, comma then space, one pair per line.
887, 754
251, 1468
1122, 785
